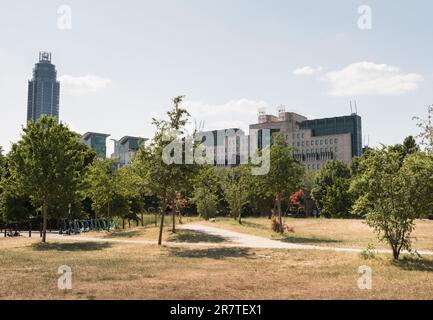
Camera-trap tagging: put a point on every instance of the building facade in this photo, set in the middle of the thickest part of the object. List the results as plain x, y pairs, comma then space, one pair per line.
98, 142
316, 141
227, 147
43, 90
126, 149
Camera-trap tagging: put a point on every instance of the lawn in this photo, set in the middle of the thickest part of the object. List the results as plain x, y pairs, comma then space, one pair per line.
28, 270
151, 232
326, 232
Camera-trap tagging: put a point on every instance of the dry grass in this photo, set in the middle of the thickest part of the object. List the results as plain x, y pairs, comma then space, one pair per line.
152, 233
326, 232
28, 270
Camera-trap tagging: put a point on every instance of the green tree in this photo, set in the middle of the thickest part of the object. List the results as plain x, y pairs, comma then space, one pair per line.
205, 187
426, 126
393, 195
100, 185
408, 147
236, 187
46, 164
331, 189
285, 174
2, 175
2, 164
166, 179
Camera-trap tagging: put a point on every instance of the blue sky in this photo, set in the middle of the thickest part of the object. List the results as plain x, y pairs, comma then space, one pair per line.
122, 61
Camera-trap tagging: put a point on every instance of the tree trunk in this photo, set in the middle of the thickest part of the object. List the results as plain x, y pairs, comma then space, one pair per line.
395, 253
173, 212
240, 210
142, 220
162, 223
279, 212
30, 229
109, 215
44, 222
156, 218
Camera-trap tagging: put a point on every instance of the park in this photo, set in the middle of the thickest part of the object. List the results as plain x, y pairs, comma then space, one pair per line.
195, 265
152, 230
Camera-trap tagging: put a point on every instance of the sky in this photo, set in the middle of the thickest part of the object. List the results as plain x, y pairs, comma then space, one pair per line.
121, 62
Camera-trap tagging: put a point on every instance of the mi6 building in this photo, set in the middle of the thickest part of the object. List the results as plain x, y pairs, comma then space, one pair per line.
316, 141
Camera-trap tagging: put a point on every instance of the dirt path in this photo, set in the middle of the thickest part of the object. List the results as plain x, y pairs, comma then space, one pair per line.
250, 241
237, 240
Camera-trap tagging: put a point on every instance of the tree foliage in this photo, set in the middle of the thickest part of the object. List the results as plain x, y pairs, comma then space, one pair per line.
236, 186
392, 195
47, 165
205, 187
426, 126
164, 179
331, 189
285, 174
113, 191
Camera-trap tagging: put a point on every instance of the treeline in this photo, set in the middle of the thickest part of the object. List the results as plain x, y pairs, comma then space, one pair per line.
51, 174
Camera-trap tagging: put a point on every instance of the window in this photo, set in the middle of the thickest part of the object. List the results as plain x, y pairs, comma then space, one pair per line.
302, 136
321, 142
335, 141
317, 142
303, 143
331, 141
298, 136
308, 143
326, 141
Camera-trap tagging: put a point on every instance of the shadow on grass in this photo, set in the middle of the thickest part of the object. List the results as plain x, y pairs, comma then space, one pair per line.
414, 264
76, 246
212, 253
190, 236
123, 234
254, 225
304, 240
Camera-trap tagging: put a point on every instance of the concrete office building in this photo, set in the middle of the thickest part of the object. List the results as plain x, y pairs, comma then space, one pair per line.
316, 141
229, 146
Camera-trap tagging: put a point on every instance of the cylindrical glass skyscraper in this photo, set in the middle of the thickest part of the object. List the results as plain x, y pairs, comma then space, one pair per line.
44, 90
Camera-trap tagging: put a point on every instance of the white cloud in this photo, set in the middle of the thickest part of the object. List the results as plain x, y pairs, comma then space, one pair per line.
368, 78
233, 114
307, 71
84, 84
